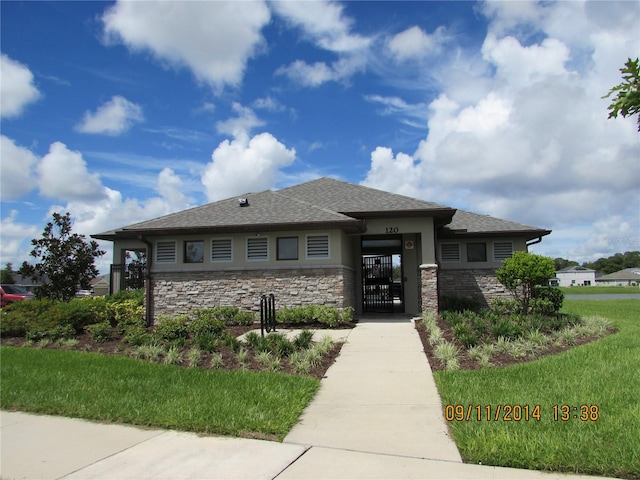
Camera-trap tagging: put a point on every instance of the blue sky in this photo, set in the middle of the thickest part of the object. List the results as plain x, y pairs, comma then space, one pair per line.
121, 112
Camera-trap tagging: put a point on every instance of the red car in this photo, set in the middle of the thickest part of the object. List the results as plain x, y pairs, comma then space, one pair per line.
13, 293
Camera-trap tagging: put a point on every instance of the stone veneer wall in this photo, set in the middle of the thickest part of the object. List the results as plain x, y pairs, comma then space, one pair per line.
429, 288
182, 292
479, 283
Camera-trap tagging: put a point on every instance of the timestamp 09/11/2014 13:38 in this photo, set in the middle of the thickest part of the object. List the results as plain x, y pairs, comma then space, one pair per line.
517, 413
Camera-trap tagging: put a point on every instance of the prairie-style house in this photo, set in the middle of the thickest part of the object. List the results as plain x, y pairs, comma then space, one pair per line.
325, 242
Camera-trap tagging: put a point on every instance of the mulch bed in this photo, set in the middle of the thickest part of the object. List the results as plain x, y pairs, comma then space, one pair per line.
497, 360
229, 359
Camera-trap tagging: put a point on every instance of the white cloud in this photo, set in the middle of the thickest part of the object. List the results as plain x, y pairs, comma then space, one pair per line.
414, 43
323, 23
532, 143
17, 169
213, 39
16, 88
64, 175
243, 123
113, 118
170, 188
245, 165
13, 248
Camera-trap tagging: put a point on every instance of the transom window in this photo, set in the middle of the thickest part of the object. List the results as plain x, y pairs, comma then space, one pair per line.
477, 252
287, 248
193, 251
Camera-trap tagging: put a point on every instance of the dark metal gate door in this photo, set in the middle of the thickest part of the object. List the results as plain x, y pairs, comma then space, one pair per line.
377, 278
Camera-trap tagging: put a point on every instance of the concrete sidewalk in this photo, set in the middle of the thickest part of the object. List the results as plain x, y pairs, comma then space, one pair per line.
377, 416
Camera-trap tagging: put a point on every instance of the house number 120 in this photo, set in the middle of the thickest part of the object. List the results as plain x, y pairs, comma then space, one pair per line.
391, 229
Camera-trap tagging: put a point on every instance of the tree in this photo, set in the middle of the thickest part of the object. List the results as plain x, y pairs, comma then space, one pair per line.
627, 100
7, 274
521, 273
65, 260
561, 263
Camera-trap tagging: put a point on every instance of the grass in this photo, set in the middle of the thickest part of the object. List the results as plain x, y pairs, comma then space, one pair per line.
594, 290
72, 384
605, 373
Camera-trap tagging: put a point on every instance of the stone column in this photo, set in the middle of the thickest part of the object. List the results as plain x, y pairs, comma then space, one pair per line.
429, 287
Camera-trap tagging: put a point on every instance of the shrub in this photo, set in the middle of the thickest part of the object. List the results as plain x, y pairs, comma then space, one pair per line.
49, 332
229, 316
455, 303
136, 335
136, 296
204, 323
551, 294
303, 340
172, 329
100, 332
125, 311
504, 306
309, 314
521, 273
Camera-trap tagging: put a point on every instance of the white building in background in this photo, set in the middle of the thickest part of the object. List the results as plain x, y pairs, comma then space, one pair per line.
576, 276
621, 278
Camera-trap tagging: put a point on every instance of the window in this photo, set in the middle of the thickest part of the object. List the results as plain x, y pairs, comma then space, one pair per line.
193, 251
318, 246
476, 252
221, 250
257, 248
166, 252
502, 250
287, 248
450, 252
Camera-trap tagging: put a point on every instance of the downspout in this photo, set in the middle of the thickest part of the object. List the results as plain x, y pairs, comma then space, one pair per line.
147, 277
537, 240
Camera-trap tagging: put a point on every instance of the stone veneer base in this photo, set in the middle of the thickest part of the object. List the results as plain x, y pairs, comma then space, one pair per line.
183, 292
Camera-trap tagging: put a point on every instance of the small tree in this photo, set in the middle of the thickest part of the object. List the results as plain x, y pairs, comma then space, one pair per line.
7, 274
65, 260
627, 100
521, 273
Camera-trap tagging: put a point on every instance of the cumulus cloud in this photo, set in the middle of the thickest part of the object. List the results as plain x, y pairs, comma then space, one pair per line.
324, 25
113, 118
414, 43
245, 164
212, 39
17, 169
16, 89
64, 175
532, 143
244, 121
14, 234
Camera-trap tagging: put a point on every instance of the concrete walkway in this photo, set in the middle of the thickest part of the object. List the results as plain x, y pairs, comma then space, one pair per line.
377, 416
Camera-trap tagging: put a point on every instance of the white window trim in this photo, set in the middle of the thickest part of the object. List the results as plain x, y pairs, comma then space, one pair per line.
175, 252
306, 246
450, 261
225, 260
493, 250
262, 259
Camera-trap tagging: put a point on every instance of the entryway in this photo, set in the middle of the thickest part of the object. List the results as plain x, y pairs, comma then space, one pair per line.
382, 277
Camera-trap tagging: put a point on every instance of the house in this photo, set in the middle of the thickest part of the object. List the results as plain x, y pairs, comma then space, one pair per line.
625, 277
576, 276
100, 285
325, 242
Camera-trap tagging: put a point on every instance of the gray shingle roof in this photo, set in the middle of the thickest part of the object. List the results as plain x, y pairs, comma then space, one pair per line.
321, 203
469, 223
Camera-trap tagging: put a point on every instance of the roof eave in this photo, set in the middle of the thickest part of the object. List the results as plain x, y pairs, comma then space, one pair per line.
498, 233
349, 226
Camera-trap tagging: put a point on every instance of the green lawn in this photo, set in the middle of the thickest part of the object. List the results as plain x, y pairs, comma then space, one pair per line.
598, 290
605, 373
119, 389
